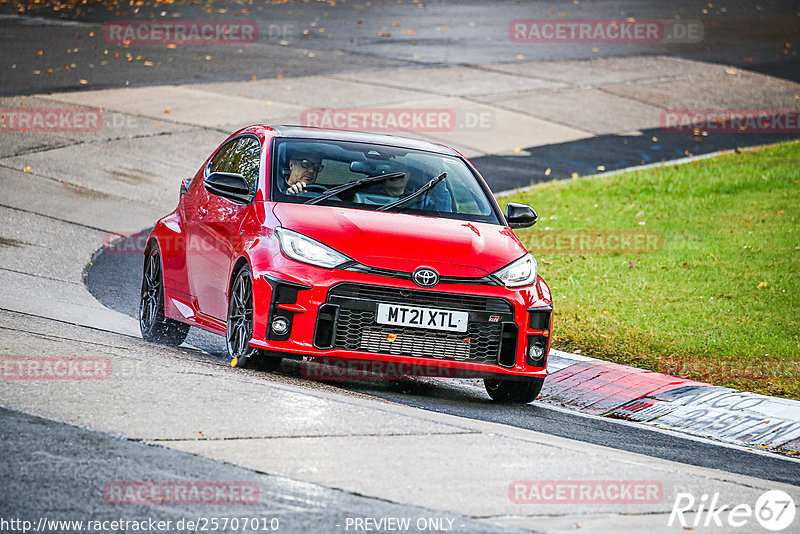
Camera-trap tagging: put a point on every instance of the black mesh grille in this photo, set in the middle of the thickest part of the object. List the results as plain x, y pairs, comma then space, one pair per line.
356, 328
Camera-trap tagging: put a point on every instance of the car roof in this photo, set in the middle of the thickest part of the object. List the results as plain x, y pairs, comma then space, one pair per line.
308, 132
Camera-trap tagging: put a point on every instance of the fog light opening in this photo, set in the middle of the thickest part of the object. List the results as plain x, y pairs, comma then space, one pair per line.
280, 326
535, 352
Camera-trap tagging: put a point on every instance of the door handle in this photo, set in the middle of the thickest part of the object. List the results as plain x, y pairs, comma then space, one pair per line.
202, 212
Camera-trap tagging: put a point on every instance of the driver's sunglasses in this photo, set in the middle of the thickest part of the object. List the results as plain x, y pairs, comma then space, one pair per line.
307, 164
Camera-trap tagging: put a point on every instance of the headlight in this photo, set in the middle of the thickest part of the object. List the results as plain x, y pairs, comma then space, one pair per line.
306, 250
521, 272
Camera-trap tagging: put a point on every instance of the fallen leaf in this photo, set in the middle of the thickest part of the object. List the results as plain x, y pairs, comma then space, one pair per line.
761, 285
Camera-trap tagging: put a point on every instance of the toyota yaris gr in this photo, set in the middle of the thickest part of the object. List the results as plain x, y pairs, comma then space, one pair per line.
300, 242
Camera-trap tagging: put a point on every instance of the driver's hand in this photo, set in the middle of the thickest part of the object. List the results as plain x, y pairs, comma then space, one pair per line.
296, 188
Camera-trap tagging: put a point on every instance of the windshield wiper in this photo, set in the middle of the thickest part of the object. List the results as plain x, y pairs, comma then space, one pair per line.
352, 185
421, 191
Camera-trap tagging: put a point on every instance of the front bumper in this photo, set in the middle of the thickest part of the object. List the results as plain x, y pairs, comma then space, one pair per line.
332, 315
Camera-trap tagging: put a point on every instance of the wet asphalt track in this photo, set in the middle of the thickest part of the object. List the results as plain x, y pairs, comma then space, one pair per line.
359, 35
71, 466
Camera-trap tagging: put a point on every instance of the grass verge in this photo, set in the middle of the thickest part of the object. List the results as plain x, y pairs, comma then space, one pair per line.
691, 270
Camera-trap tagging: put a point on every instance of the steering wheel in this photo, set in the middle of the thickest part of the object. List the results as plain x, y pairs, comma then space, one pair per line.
315, 188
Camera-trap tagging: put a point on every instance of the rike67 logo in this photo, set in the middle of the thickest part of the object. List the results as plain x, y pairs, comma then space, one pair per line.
774, 511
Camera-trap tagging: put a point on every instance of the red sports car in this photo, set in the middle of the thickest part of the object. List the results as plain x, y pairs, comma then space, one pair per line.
300, 242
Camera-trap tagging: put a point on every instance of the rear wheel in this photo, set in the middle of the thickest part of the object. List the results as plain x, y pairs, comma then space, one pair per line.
513, 391
153, 324
239, 329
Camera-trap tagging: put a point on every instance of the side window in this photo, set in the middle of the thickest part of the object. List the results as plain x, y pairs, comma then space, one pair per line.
220, 161
245, 160
241, 156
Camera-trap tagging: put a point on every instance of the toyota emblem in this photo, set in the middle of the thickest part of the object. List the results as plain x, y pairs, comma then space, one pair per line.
425, 277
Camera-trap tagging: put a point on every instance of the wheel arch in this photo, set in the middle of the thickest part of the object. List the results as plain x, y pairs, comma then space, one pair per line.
237, 265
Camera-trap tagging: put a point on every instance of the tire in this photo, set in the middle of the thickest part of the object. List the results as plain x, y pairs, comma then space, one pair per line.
153, 324
513, 391
239, 328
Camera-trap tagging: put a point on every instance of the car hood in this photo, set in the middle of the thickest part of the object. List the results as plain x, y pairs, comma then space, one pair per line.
404, 242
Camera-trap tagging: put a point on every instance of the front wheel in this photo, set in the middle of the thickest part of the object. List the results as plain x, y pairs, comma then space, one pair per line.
153, 324
239, 329
513, 390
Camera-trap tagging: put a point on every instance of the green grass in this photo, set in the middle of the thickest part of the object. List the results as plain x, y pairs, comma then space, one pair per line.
719, 302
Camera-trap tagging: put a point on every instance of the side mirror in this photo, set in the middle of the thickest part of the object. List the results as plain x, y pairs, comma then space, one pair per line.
185, 184
520, 215
228, 185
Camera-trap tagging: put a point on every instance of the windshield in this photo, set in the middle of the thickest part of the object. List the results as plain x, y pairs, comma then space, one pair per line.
379, 178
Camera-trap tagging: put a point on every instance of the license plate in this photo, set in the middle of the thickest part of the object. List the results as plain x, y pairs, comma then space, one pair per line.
417, 317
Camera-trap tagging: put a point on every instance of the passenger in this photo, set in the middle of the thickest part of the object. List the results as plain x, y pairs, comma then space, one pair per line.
393, 187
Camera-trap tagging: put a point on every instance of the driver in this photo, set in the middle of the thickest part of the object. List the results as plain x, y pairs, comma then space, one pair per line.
303, 170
